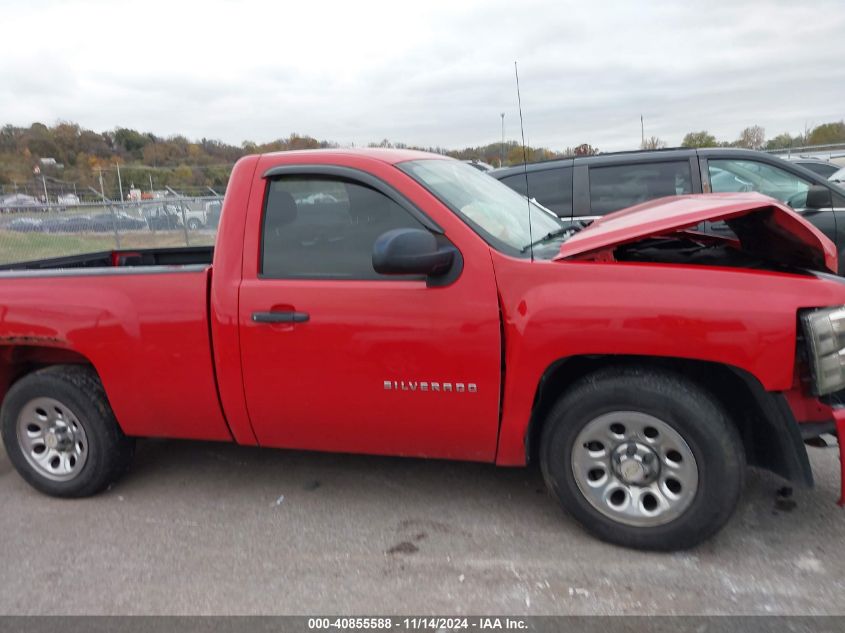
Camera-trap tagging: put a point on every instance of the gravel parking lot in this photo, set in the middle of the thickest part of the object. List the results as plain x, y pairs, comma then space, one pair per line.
200, 528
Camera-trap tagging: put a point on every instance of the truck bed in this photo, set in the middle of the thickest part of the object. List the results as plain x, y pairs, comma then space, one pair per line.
139, 317
178, 256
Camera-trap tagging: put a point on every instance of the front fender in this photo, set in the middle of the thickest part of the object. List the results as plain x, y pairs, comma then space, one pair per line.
552, 310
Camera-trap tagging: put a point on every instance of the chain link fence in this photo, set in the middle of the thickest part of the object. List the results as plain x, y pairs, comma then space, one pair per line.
54, 230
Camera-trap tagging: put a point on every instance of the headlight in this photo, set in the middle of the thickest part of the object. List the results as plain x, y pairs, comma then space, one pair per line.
825, 333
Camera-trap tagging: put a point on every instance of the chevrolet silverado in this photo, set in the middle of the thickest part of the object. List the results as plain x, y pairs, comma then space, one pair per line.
401, 303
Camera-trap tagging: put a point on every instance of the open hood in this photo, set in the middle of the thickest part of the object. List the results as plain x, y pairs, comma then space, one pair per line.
764, 228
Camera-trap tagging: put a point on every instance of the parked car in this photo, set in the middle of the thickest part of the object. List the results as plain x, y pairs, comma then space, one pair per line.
591, 186
642, 366
212, 213
318, 198
119, 220
25, 225
162, 217
96, 223
66, 224
195, 219
18, 202
818, 166
68, 199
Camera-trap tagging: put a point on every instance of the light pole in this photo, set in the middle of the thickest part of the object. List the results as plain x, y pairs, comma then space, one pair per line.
502, 153
119, 181
642, 133
102, 193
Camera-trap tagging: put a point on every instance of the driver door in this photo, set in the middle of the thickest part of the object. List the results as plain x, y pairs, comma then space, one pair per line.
337, 357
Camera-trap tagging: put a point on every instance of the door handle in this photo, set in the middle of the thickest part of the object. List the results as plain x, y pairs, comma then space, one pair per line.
280, 317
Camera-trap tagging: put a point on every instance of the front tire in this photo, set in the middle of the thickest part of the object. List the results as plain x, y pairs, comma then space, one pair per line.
61, 434
643, 458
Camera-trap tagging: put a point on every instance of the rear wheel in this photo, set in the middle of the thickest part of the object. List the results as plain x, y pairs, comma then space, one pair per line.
643, 458
60, 432
193, 224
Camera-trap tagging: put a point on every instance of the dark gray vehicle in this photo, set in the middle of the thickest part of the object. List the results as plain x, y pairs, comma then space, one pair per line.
586, 187
823, 168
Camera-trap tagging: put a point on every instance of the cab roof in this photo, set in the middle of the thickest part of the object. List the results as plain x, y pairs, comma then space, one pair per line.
385, 155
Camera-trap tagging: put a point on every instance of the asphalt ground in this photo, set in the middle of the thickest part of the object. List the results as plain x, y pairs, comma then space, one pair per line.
201, 528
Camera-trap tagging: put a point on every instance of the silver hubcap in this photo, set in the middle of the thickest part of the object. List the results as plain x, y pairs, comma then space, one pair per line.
634, 468
52, 439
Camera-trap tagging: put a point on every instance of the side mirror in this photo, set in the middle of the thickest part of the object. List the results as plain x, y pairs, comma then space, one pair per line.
410, 252
818, 197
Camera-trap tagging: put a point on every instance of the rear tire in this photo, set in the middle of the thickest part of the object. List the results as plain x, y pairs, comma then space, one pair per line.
61, 434
643, 458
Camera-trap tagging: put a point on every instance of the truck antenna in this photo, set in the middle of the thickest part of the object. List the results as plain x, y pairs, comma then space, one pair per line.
524, 164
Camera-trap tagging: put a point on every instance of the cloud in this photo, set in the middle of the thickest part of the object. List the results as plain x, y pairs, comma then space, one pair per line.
434, 73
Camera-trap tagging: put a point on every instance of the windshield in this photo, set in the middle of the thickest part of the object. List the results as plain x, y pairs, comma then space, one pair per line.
495, 211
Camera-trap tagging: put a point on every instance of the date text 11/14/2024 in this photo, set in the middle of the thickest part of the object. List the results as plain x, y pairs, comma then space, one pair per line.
432, 623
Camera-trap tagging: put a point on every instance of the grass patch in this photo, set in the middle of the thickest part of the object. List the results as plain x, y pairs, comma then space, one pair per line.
21, 247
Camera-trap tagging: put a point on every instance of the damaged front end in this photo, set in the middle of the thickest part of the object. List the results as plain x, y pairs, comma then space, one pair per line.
769, 235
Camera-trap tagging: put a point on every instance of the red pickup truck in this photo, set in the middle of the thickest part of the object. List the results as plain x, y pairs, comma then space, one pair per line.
401, 303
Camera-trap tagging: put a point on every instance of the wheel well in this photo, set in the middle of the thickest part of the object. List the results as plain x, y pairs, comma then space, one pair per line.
770, 435
16, 361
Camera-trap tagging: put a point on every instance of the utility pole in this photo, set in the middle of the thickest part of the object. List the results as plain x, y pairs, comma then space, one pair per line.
111, 210
44, 182
119, 181
642, 132
151, 184
102, 193
502, 153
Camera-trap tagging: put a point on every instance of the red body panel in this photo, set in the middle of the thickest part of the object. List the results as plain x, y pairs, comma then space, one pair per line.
146, 334
553, 310
223, 299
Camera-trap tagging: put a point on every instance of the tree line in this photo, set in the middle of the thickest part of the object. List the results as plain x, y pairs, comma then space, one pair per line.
754, 137
66, 155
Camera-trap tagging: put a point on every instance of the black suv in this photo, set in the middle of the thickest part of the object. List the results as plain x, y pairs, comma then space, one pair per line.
590, 186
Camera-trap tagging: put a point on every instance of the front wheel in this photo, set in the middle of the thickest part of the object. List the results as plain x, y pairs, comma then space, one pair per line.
643, 458
60, 433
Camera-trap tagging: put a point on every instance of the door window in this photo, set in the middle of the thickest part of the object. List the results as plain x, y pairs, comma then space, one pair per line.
316, 227
550, 187
619, 186
731, 175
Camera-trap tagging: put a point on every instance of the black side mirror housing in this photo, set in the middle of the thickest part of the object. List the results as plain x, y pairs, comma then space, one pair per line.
818, 197
411, 252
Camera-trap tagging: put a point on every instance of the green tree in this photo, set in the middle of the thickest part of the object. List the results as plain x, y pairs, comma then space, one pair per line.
827, 133
130, 140
782, 141
699, 139
183, 175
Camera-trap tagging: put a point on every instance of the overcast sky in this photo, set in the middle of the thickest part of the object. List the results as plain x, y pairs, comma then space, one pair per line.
425, 73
